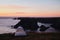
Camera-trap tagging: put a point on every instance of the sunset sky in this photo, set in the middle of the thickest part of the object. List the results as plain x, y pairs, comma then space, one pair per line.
29, 8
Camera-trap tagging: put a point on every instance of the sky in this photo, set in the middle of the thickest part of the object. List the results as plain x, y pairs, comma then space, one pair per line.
29, 8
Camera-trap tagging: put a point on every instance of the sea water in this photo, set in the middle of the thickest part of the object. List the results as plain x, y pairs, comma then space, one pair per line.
5, 25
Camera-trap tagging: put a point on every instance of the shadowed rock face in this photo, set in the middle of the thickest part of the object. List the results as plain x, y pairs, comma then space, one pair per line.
56, 26
31, 23
43, 28
27, 24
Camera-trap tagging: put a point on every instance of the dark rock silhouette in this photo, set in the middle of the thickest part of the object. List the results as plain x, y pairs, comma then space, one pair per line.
27, 24
43, 28
31, 23
56, 26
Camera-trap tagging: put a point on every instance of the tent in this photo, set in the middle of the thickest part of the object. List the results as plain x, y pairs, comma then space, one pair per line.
20, 32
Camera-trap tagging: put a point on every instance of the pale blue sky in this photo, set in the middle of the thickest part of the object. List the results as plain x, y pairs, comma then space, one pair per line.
30, 2
50, 4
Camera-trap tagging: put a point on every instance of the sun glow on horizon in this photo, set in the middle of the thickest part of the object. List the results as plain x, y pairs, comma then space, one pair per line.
31, 8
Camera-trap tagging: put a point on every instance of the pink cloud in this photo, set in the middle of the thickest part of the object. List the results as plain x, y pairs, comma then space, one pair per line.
13, 6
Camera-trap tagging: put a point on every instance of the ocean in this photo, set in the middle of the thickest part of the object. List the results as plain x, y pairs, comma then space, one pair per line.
5, 25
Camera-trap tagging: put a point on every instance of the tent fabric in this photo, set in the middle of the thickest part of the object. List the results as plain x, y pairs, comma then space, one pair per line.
20, 32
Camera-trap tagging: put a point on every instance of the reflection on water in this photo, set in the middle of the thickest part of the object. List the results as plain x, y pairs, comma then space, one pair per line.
4, 29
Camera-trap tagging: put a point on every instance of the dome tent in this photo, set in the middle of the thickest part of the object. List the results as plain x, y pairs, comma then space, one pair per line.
20, 32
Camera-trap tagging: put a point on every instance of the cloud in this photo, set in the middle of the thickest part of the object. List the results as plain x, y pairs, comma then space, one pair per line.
13, 6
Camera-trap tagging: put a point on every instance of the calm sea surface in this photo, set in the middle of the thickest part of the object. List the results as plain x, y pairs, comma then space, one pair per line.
5, 25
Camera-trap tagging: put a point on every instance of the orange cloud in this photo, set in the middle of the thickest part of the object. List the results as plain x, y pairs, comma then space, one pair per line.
12, 6
31, 15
